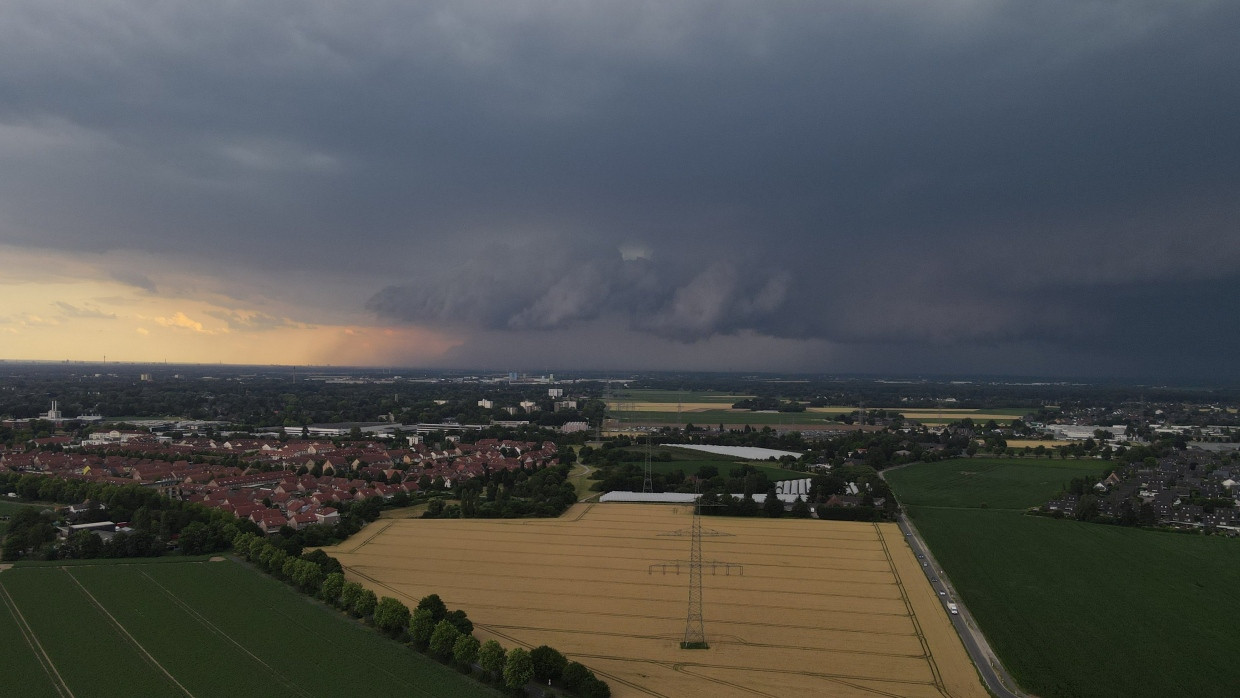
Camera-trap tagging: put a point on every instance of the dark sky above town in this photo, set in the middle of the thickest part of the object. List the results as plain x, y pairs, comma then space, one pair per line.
1025, 188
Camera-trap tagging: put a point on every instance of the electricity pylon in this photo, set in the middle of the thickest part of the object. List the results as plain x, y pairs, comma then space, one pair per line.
648, 481
695, 630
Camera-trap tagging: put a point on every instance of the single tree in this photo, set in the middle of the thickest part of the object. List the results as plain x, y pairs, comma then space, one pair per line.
548, 663
331, 588
435, 605
491, 657
594, 687
365, 603
421, 626
772, 506
575, 676
349, 594
465, 651
800, 509
443, 639
518, 668
460, 621
391, 616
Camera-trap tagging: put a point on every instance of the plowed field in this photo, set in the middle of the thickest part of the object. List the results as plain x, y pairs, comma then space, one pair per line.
822, 608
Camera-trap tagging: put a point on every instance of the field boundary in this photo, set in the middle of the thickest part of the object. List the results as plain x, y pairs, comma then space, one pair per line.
32, 641
925, 646
154, 662
379, 530
867, 635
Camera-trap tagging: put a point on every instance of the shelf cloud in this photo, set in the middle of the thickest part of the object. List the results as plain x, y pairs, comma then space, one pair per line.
832, 186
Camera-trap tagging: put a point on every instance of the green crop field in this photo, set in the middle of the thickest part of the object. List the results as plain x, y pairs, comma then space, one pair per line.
730, 417
675, 396
690, 467
689, 460
985, 482
1076, 609
8, 507
198, 628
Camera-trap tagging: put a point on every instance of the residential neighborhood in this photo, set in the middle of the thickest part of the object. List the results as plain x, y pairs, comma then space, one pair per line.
1192, 489
274, 483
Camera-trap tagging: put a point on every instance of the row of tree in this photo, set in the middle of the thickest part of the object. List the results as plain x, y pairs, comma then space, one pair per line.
430, 627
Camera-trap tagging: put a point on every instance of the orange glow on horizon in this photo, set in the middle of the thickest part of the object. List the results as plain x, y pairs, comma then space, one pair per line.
82, 319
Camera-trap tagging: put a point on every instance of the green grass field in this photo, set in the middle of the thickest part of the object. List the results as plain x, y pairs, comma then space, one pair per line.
988, 482
689, 460
10, 506
1075, 609
674, 396
205, 628
690, 467
735, 418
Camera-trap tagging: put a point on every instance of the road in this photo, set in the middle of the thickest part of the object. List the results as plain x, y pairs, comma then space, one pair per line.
997, 679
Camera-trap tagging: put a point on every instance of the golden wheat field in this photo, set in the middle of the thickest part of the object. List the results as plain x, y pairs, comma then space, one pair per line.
819, 608
1034, 443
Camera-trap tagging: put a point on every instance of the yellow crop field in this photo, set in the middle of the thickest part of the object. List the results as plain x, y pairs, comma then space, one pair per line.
1033, 443
956, 415
821, 608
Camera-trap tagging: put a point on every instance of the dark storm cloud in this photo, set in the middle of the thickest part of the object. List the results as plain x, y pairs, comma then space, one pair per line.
898, 177
519, 292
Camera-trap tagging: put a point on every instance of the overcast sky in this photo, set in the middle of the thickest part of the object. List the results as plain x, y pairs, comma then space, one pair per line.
1027, 188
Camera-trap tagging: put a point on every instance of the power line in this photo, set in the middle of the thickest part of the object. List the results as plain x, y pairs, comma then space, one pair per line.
647, 482
695, 630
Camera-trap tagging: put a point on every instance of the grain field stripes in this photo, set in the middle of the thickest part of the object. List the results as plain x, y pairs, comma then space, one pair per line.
819, 601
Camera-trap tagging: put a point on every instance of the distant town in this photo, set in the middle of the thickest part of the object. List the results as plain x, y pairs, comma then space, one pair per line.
970, 490
264, 458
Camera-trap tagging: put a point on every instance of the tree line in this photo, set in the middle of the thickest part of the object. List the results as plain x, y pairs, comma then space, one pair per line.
430, 628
